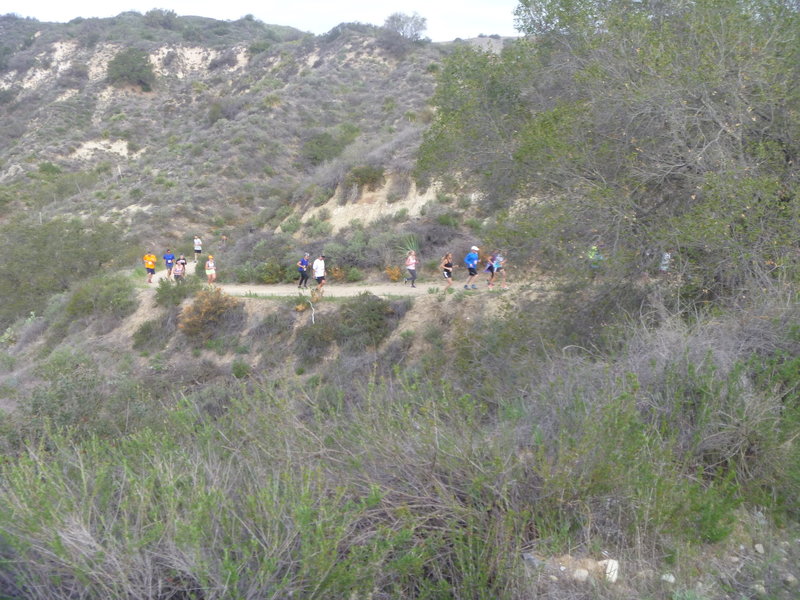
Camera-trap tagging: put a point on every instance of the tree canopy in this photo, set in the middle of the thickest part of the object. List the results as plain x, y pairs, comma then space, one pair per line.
654, 124
409, 27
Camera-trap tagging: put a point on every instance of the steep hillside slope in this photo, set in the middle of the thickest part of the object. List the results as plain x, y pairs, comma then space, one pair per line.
241, 121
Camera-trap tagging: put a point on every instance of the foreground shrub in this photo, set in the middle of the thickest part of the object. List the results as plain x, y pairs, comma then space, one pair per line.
111, 295
197, 496
209, 313
74, 391
30, 248
171, 293
154, 334
361, 323
415, 488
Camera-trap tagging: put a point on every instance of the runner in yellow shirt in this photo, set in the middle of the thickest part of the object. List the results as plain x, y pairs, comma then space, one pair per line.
150, 265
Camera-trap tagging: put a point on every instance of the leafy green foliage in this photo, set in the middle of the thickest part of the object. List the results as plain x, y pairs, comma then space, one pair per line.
359, 324
366, 176
353, 275
155, 333
328, 145
111, 295
131, 67
409, 27
41, 260
75, 392
171, 293
643, 139
158, 17
240, 369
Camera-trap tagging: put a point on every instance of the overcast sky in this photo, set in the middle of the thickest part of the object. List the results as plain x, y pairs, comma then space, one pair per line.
446, 19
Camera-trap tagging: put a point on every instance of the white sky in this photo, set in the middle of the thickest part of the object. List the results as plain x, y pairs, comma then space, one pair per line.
446, 19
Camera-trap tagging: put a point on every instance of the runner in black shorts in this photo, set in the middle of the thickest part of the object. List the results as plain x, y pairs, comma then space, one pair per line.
490, 269
446, 266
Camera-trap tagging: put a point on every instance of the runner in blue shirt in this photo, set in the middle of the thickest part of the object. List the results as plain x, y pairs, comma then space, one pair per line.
302, 268
471, 260
169, 261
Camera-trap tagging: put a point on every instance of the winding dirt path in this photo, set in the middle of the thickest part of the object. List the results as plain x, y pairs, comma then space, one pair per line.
338, 290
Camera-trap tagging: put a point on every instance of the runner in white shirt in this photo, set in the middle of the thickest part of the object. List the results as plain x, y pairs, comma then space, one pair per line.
319, 271
198, 247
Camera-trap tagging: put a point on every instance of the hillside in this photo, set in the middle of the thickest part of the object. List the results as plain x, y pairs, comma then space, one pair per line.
621, 423
243, 124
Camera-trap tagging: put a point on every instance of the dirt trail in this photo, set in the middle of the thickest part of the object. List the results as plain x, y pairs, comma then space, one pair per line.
335, 290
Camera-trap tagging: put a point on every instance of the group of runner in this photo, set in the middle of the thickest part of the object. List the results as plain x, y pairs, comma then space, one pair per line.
494, 265
318, 268
176, 267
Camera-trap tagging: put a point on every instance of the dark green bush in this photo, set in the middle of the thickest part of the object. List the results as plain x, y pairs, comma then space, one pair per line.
171, 293
240, 369
154, 334
354, 274
360, 323
77, 393
131, 67
112, 295
448, 220
291, 225
326, 146
271, 272
367, 176
48, 168
313, 341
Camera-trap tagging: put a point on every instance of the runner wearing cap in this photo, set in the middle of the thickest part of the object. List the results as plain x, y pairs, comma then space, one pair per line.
471, 260
211, 270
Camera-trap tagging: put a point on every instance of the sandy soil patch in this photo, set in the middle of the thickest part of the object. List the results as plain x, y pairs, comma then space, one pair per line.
87, 149
371, 206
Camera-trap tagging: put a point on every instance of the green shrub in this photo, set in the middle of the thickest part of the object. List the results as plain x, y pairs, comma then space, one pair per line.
154, 334
476, 225
322, 147
111, 295
354, 274
271, 272
145, 333
318, 228
291, 225
76, 392
258, 47
363, 322
366, 176
172, 293
313, 341
448, 220
240, 369
30, 247
48, 168
327, 146
131, 67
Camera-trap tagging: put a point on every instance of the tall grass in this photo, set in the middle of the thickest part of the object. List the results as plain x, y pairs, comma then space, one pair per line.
412, 486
